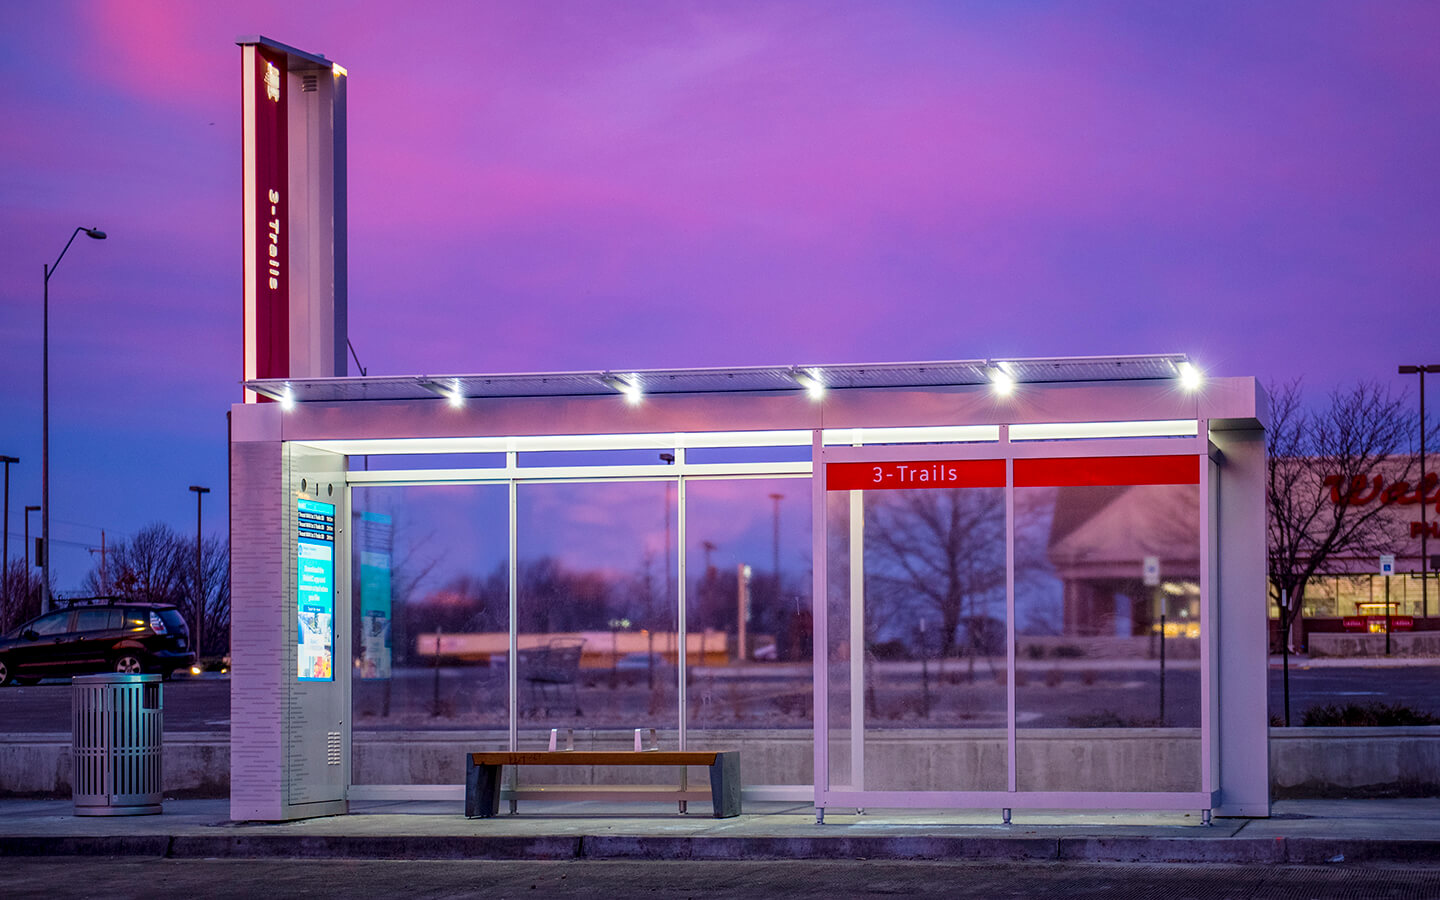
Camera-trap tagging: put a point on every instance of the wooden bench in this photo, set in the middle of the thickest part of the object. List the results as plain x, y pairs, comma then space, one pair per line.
483, 771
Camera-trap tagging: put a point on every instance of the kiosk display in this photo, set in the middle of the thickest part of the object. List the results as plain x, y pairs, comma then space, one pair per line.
375, 539
315, 590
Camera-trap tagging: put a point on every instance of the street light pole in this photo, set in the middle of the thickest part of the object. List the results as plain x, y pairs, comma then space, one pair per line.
98, 235
200, 492
1424, 485
5, 553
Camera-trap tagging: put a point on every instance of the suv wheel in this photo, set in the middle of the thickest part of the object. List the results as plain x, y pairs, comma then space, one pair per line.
129, 664
5, 674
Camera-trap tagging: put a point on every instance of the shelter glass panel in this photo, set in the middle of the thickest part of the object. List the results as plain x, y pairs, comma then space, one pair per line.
430, 620
926, 604
595, 620
1107, 608
749, 624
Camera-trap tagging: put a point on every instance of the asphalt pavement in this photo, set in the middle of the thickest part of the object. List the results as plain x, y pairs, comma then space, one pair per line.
1299, 832
41, 878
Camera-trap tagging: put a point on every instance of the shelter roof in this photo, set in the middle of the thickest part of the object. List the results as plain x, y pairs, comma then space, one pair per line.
723, 380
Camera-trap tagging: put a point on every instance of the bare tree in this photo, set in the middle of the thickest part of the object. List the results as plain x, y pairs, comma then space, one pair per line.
215, 583
149, 567
20, 602
1321, 462
1323, 465
157, 565
943, 550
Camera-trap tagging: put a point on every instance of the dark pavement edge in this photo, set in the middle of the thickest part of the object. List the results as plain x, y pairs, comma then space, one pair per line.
1232, 850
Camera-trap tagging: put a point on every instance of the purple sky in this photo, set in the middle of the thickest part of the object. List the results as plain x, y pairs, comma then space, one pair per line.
540, 186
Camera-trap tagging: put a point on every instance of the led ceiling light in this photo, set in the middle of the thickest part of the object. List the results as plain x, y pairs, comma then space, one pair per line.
453, 392
1000, 378
810, 380
1190, 376
628, 385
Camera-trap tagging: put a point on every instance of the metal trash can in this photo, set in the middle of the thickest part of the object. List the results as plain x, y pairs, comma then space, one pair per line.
117, 733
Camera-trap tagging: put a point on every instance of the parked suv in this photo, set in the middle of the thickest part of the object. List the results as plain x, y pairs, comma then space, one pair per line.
98, 635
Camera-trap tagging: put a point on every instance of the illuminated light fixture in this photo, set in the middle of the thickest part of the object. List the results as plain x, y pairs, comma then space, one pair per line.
287, 399
453, 392
810, 380
1060, 431
338, 70
628, 385
1000, 378
1190, 376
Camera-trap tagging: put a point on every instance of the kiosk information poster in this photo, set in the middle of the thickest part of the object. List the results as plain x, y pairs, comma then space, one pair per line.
375, 538
315, 590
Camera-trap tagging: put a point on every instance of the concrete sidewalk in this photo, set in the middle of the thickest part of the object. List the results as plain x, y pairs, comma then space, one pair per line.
1299, 831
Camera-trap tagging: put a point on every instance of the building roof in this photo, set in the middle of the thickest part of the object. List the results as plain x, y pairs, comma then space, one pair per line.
717, 380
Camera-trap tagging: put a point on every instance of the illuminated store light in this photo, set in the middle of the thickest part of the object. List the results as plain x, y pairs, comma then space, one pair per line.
1190, 376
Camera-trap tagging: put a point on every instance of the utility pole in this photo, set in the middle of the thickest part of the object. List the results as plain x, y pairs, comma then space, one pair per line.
200, 492
104, 574
5, 567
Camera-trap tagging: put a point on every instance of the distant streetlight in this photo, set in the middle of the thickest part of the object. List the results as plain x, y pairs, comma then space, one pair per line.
1424, 525
98, 235
200, 492
5, 553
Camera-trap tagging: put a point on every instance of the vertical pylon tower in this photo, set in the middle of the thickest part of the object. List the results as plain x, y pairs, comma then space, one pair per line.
294, 212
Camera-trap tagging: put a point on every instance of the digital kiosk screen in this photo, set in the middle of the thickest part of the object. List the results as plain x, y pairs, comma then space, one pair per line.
315, 590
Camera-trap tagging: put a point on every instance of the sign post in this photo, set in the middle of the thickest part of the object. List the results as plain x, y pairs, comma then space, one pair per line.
1387, 568
1150, 575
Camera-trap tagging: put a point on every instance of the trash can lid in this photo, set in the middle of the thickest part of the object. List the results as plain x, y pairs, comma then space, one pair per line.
115, 678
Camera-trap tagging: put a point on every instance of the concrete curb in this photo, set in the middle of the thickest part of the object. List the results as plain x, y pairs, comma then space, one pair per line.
1029, 848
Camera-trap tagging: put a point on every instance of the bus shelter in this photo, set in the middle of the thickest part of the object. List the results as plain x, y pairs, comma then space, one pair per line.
1031, 583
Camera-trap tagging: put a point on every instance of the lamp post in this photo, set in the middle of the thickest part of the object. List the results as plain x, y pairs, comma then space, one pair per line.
5, 553
1424, 524
98, 235
200, 492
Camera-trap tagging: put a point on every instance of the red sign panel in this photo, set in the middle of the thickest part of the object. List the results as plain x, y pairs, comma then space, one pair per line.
1107, 470
271, 262
914, 474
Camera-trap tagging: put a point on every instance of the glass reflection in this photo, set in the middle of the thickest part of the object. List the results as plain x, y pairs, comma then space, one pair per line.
1107, 601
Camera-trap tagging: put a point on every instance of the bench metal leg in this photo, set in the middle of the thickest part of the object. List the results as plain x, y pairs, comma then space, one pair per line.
482, 790
725, 784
